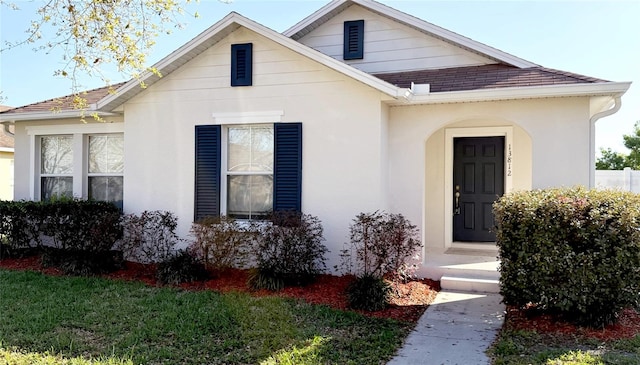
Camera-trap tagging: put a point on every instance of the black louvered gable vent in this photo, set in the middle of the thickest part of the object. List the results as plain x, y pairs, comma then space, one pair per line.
207, 170
353, 40
241, 64
287, 187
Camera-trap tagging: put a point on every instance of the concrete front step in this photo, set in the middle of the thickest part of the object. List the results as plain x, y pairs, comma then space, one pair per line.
469, 284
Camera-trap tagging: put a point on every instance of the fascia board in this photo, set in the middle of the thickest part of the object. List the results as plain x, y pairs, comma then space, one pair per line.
528, 92
49, 115
314, 17
233, 21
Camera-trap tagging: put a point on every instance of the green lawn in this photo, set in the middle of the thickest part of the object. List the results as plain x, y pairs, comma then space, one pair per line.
532, 348
69, 320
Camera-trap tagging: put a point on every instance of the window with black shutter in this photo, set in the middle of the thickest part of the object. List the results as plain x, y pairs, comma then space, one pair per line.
353, 40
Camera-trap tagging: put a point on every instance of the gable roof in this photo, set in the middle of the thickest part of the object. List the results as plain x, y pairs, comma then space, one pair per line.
321, 16
217, 32
511, 78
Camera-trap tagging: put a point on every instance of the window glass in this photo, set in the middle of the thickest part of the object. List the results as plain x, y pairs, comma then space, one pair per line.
53, 187
106, 188
249, 196
56, 155
249, 171
250, 148
106, 154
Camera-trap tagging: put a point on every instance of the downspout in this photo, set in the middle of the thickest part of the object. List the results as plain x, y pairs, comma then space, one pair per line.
6, 128
617, 103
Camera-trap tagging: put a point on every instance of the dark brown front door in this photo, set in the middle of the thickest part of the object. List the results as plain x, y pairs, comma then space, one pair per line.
478, 180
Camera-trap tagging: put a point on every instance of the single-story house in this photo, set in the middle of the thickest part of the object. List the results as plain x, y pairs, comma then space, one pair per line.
358, 107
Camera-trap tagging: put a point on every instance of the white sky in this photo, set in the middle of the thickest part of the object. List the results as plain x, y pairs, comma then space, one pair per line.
594, 38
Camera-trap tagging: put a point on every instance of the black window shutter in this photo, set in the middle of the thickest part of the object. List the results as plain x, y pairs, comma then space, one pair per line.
207, 169
241, 64
287, 171
353, 40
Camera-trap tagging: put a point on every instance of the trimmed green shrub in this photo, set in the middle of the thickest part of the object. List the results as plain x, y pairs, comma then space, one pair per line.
149, 237
81, 225
574, 251
368, 292
182, 267
20, 224
289, 248
222, 242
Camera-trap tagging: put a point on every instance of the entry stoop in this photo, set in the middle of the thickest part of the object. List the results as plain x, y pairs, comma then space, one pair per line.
466, 270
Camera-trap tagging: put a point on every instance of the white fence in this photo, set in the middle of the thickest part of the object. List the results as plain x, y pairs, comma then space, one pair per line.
627, 179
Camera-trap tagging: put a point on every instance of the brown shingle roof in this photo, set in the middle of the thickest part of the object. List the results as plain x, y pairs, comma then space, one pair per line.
64, 102
485, 77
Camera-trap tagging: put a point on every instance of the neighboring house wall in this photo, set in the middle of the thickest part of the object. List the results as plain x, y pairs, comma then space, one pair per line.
389, 46
627, 179
344, 159
542, 133
6, 173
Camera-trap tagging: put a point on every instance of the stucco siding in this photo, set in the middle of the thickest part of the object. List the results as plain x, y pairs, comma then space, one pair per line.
549, 148
342, 132
6, 175
388, 45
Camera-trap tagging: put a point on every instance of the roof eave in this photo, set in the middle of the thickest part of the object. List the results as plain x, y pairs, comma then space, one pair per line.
52, 115
613, 89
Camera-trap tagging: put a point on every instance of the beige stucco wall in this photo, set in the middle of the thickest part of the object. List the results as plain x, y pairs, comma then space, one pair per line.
549, 148
6, 175
343, 149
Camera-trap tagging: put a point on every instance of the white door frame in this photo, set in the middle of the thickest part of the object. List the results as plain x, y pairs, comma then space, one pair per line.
450, 134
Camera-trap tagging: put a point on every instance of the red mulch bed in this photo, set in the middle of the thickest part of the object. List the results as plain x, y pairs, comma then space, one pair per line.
407, 304
628, 325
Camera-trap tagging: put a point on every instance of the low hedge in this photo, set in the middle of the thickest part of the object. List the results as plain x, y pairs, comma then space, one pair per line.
70, 224
571, 251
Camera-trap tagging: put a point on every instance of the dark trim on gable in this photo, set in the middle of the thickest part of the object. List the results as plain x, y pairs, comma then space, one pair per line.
353, 40
287, 169
241, 64
207, 171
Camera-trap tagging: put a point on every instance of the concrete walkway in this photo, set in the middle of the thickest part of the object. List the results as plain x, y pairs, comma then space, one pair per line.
456, 329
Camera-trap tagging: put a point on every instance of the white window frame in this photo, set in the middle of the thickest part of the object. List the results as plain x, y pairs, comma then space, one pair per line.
88, 175
39, 172
80, 133
224, 168
231, 119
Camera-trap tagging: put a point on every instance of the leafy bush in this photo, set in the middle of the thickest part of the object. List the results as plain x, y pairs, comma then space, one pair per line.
81, 262
265, 279
149, 237
290, 249
368, 292
182, 267
571, 251
222, 242
383, 244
